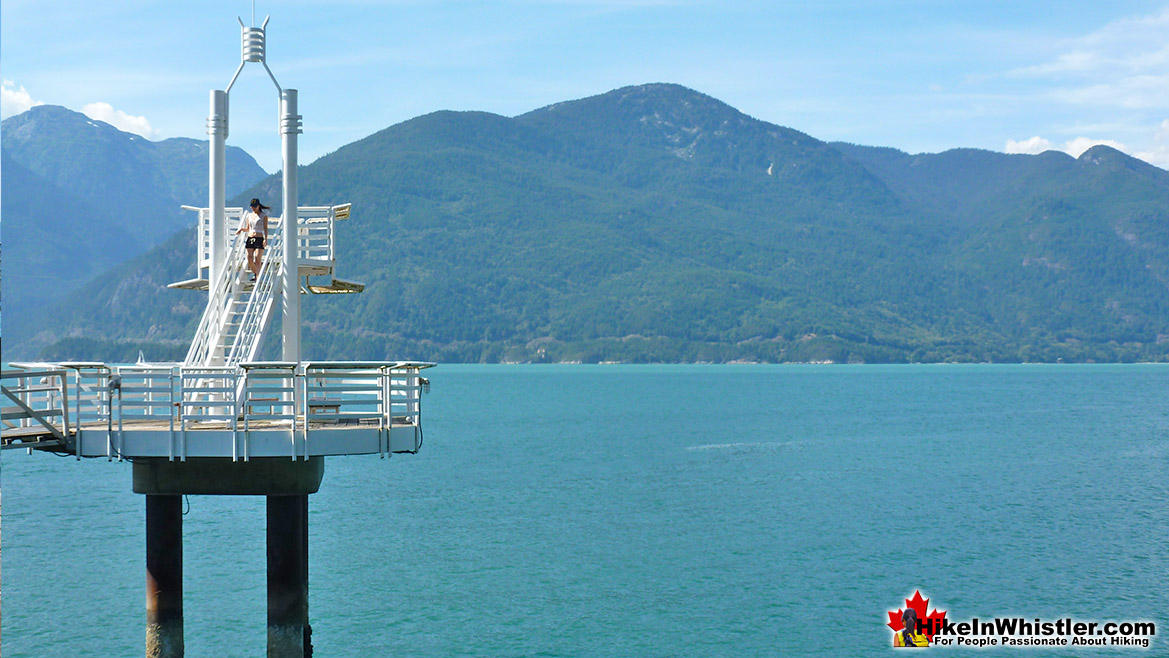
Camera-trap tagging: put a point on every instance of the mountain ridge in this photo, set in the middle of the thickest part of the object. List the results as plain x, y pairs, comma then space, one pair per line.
80, 196
655, 223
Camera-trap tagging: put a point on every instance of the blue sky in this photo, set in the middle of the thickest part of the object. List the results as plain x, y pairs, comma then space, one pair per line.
917, 75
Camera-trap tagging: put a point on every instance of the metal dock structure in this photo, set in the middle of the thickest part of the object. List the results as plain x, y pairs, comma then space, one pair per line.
225, 422
242, 412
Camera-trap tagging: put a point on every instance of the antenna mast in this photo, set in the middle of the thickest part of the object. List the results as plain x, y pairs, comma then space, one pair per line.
252, 49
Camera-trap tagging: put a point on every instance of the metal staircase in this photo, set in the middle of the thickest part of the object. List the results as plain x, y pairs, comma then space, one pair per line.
239, 310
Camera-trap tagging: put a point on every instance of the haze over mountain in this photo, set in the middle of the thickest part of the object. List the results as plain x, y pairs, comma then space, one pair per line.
654, 223
80, 196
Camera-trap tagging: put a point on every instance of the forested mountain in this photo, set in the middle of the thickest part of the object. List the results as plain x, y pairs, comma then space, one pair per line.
654, 223
80, 196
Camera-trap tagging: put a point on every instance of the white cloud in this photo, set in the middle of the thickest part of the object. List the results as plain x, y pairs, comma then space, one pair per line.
1158, 152
1073, 147
14, 100
1033, 145
1073, 62
1114, 81
1076, 147
1163, 131
1123, 65
1128, 46
119, 119
1134, 92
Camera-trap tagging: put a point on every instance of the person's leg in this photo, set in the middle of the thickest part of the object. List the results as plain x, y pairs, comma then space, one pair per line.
252, 260
258, 262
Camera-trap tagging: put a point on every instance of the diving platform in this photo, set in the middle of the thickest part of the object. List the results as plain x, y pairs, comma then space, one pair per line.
254, 410
334, 286
315, 240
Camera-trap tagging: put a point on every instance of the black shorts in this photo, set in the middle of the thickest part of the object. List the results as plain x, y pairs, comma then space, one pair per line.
255, 242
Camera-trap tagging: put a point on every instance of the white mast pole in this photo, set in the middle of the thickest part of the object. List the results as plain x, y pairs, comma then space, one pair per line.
290, 127
217, 183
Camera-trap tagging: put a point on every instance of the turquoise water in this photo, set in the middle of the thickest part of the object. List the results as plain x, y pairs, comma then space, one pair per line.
651, 511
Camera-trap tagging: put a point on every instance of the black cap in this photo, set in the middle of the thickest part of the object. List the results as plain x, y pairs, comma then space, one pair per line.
256, 202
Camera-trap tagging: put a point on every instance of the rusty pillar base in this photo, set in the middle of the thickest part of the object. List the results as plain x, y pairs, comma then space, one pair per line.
288, 628
164, 577
286, 642
164, 640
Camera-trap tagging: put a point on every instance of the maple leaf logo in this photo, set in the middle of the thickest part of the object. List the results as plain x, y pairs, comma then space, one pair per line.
930, 623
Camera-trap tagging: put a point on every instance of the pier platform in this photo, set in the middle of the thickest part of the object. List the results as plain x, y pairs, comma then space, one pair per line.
253, 410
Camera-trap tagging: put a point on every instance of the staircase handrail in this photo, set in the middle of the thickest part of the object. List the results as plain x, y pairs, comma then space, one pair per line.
211, 324
258, 309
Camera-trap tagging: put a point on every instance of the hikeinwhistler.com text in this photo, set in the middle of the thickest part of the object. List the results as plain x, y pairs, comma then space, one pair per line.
1020, 632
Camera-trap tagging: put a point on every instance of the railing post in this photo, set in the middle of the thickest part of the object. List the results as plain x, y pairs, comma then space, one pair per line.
121, 431
64, 387
415, 393
301, 410
77, 409
386, 422
182, 416
332, 236
295, 407
109, 408
175, 409
25, 398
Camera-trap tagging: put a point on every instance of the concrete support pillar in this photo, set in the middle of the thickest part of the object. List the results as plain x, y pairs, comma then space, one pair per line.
164, 576
290, 127
289, 633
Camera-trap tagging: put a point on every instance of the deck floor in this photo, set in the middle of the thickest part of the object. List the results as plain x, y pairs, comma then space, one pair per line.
315, 422
30, 437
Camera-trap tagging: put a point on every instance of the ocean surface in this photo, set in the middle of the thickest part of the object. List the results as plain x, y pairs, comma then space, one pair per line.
652, 511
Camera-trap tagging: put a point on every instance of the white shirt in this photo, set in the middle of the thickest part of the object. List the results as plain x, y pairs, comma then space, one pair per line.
253, 223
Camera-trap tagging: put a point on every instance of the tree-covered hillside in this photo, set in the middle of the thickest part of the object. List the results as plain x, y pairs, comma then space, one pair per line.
655, 223
80, 196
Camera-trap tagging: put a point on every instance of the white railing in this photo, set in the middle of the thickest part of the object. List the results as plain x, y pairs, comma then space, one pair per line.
314, 240
315, 230
36, 401
80, 394
208, 336
238, 312
257, 312
208, 394
269, 401
179, 401
145, 393
337, 393
405, 395
231, 219
208, 400
92, 402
